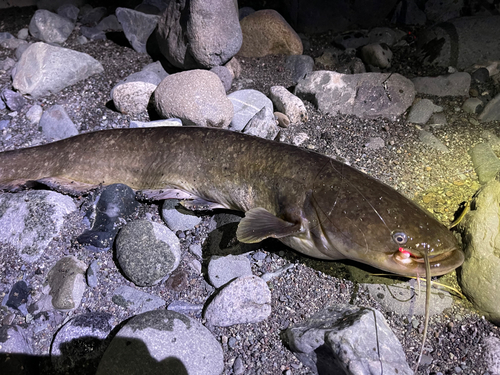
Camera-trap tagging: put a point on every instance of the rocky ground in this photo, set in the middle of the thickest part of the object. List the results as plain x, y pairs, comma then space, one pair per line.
439, 181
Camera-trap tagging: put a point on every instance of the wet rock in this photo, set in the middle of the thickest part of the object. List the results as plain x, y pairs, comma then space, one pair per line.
30, 220
222, 270
133, 94
486, 163
136, 301
246, 104
287, 103
262, 124
50, 27
137, 27
13, 100
43, 69
491, 111
177, 217
364, 95
164, 342
202, 35
197, 97
93, 16
81, 342
18, 295
247, 299
478, 274
422, 111
429, 139
342, 337
56, 124
67, 283
266, 32
455, 84
147, 252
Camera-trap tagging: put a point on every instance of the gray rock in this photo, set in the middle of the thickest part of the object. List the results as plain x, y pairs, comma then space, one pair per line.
91, 274
491, 111
486, 163
177, 217
136, 301
12, 43
246, 104
365, 95
163, 342
234, 68
299, 65
50, 27
137, 27
69, 11
224, 75
284, 101
374, 143
247, 299
20, 50
473, 105
429, 139
222, 270
455, 43
262, 124
455, 84
66, 281
30, 220
56, 124
93, 16
110, 23
342, 340
157, 69
376, 56
81, 342
16, 339
422, 111
147, 252
5, 35
13, 100
34, 114
4, 124
185, 307
385, 35
23, 33
197, 97
480, 229
45, 69
203, 34
133, 94
7, 63
492, 355
93, 33
156, 123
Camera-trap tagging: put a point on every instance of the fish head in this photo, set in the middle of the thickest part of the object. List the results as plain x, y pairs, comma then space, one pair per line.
357, 217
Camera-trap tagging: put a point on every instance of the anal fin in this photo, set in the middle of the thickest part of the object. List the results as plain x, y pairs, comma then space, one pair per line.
167, 193
259, 224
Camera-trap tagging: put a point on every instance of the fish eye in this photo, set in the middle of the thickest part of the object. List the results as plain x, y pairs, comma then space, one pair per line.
400, 238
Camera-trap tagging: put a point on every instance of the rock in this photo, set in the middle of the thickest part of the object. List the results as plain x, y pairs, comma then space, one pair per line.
422, 111
30, 220
66, 281
136, 301
222, 270
185, 307
50, 27
478, 274
7, 63
197, 97
110, 23
262, 124
492, 355
365, 95
342, 337
376, 56
93, 16
16, 339
92, 33
13, 100
69, 11
156, 123
455, 84
473, 105
80, 342
284, 101
34, 114
246, 104
299, 65
56, 124
439, 11
199, 34
430, 140
13, 43
486, 163
164, 342
385, 35
147, 252
137, 27
18, 295
374, 143
266, 32
247, 299
91, 274
455, 43
23, 33
132, 94
177, 217
45, 69
234, 68
224, 75
491, 111
157, 69
111, 207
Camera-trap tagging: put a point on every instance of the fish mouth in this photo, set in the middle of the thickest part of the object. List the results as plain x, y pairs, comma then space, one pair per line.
410, 264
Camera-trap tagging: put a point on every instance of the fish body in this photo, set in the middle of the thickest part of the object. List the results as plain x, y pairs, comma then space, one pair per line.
312, 203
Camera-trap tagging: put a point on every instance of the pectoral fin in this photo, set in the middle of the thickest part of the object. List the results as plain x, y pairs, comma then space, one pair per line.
200, 204
161, 194
259, 224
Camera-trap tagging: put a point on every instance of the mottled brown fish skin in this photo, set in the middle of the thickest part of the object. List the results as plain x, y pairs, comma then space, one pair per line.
341, 212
